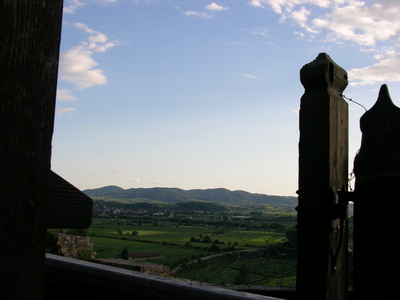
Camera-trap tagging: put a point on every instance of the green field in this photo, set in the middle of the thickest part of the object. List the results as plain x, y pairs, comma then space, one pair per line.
174, 234
181, 245
272, 272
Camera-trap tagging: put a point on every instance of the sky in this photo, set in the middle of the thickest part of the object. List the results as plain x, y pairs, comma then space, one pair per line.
200, 94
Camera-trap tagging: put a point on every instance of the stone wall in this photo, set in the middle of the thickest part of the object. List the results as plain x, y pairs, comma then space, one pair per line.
143, 267
76, 246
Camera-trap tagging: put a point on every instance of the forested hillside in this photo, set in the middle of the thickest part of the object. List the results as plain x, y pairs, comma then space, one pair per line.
175, 195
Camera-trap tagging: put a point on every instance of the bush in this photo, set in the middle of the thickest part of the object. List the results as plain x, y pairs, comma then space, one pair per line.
124, 253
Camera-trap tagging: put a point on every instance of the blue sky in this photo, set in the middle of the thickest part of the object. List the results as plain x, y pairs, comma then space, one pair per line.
203, 94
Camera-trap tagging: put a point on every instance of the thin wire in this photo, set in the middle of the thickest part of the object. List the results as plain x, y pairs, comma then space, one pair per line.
350, 181
353, 101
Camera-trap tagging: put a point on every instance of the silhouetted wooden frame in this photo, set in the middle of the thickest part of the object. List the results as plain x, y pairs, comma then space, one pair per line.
377, 201
30, 34
323, 172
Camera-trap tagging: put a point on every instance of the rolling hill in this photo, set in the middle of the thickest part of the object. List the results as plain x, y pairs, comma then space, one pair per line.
175, 195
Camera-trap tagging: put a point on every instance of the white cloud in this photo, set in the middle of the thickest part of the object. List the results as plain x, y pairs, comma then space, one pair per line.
375, 27
300, 16
357, 22
71, 6
365, 23
262, 31
279, 6
138, 2
65, 95
386, 69
202, 15
205, 15
255, 3
97, 41
64, 111
77, 65
215, 7
250, 76
136, 180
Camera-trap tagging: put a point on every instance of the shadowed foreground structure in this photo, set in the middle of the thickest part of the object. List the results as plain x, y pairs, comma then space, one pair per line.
323, 171
30, 39
376, 201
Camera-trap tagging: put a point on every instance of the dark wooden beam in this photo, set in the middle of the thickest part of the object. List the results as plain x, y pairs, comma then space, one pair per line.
29, 50
323, 172
377, 203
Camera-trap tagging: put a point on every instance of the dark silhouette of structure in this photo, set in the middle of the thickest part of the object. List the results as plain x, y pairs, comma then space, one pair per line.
30, 37
33, 198
323, 171
376, 201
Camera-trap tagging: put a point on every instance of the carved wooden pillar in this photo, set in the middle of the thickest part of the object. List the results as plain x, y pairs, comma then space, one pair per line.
323, 171
377, 202
30, 38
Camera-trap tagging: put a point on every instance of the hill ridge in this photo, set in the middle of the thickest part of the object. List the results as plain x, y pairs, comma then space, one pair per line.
177, 195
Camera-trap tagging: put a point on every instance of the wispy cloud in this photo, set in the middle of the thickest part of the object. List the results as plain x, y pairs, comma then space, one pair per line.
136, 180
357, 22
202, 15
71, 6
255, 3
386, 69
77, 64
373, 26
215, 7
64, 111
65, 95
139, 2
261, 31
247, 75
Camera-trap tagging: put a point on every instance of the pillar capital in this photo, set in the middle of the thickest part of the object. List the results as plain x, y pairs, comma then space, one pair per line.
323, 72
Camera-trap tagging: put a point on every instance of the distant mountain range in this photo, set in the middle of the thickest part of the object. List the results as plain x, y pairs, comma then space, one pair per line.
175, 195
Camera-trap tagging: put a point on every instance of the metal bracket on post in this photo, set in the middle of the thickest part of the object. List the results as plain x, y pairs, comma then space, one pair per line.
339, 212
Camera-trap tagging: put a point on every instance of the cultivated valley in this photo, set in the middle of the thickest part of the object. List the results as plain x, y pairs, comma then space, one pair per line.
214, 236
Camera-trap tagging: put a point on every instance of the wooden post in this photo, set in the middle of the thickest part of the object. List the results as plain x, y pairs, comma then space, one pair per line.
323, 171
30, 37
376, 204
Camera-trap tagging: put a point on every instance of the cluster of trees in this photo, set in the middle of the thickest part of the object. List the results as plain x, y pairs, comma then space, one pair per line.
205, 239
202, 213
121, 231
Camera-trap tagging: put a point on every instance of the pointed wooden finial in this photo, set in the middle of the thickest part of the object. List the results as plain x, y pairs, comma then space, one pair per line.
384, 98
380, 145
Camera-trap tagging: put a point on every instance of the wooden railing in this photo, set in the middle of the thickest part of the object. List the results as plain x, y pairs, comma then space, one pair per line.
68, 278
